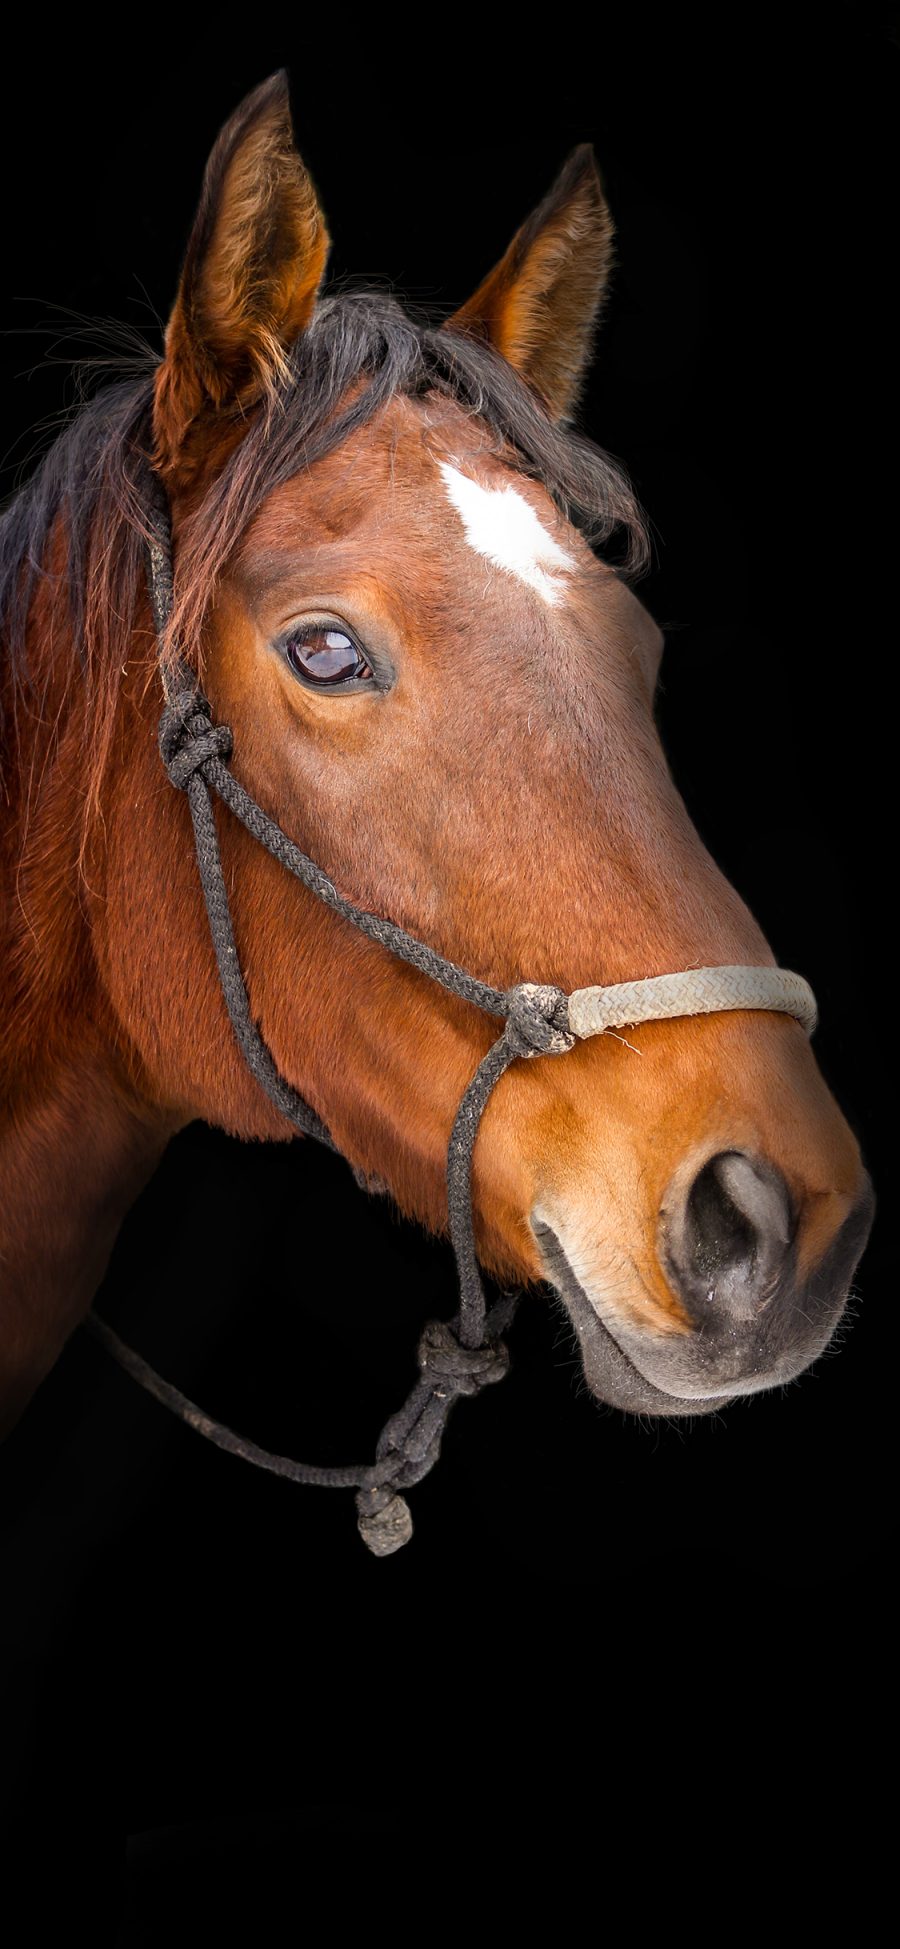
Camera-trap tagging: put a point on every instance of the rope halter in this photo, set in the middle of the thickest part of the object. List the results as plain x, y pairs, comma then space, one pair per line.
461, 1356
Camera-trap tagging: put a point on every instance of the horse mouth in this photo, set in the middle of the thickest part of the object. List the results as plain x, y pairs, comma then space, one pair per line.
611, 1374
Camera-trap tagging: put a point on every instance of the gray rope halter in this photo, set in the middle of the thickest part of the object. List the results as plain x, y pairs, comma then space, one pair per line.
466, 1354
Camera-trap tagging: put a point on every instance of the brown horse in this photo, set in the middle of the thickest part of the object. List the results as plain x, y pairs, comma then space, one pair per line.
386, 573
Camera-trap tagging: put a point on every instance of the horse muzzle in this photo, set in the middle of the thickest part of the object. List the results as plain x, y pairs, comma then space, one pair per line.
728, 1244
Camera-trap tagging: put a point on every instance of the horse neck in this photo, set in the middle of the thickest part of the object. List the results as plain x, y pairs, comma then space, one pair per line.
77, 1139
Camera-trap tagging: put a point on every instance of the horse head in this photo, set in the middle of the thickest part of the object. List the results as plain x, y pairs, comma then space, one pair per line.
388, 577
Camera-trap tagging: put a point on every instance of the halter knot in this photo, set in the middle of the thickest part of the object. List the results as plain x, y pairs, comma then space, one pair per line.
537, 1020
188, 738
410, 1443
460, 1370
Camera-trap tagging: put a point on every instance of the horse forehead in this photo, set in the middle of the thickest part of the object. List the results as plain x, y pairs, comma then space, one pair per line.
424, 471
421, 513
422, 489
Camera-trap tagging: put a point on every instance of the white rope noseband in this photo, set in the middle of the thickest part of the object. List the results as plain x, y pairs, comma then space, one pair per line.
697, 991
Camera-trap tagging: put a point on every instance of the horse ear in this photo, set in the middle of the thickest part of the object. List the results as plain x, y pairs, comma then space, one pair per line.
252, 271
539, 305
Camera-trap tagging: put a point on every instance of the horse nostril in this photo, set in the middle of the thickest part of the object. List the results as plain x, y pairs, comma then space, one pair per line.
728, 1239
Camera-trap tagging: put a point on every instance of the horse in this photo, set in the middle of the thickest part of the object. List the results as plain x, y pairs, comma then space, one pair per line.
390, 577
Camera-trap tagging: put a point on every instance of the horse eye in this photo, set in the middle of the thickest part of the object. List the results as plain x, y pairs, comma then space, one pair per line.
324, 654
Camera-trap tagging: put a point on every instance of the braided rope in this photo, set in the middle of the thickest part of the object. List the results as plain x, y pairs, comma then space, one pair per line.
462, 1356
697, 991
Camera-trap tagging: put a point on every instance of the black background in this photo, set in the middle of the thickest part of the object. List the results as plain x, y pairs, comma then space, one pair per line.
209, 1680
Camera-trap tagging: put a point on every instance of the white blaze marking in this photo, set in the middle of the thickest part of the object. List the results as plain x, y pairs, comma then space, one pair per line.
502, 525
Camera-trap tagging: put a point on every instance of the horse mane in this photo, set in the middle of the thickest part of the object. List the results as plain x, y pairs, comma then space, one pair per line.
87, 490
